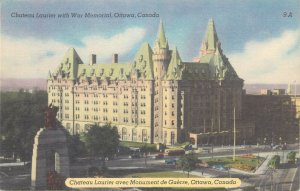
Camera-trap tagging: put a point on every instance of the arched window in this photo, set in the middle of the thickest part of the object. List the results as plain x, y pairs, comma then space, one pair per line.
134, 134
165, 137
68, 126
172, 138
124, 133
144, 135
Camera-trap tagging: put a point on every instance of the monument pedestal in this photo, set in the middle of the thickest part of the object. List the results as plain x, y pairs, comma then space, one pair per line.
49, 141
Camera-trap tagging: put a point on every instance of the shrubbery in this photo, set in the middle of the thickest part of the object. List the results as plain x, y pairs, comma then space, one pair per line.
291, 156
274, 162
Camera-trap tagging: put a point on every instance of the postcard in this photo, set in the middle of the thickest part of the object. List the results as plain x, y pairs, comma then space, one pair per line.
150, 95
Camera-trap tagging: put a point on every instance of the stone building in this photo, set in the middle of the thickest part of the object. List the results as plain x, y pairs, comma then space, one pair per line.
156, 98
276, 118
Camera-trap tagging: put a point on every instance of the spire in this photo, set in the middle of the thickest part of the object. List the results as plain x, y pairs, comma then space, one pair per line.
211, 35
210, 42
175, 67
161, 37
175, 56
49, 75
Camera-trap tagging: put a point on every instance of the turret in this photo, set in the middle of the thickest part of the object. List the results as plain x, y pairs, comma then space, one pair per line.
210, 42
161, 53
175, 67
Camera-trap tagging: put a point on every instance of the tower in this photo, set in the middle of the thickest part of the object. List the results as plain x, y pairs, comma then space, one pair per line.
161, 53
210, 42
161, 59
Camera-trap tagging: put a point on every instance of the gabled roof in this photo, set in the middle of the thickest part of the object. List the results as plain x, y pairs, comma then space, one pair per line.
195, 71
143, 62
212, 65
68, 66
175, 67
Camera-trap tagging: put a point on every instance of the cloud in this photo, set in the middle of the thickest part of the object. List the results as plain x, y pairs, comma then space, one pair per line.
33, 58
121, 43
274, 60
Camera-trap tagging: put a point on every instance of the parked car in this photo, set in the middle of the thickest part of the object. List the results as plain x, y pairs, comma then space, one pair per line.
134, 155
174, 152
159, 156
170, 161
276, 147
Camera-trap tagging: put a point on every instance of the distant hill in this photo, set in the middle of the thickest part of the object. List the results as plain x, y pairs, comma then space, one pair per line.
41, 84
26, 84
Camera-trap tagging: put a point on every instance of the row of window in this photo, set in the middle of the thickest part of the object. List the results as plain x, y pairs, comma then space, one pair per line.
173, 97
124, 135
105, 118
172, 122
166, 89
171, 114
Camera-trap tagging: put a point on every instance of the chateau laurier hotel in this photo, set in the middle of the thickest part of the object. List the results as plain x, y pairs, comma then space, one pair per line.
156, 98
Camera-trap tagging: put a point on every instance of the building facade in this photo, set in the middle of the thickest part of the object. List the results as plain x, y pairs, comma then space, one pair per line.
276, 118
156, 98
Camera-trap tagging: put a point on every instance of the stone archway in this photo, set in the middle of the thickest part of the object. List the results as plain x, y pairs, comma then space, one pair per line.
49, 144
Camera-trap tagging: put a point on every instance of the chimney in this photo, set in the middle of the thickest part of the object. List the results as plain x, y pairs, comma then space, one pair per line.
115, 58
92, 59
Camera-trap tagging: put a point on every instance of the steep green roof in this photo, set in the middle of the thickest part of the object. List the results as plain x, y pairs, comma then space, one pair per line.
68, 66
175, 67
111, 71
206, 59
195, 71
143, 62
211, 38
161, 37
223, 69
213, 64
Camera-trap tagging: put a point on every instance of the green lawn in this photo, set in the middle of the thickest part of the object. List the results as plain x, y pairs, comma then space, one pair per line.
163, 174
241, 163
136, 144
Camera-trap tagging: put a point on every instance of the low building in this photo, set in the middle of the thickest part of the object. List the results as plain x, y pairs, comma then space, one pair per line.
276, 117
279, 92
265, 92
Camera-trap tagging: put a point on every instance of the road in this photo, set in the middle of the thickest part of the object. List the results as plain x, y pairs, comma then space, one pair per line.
285, 178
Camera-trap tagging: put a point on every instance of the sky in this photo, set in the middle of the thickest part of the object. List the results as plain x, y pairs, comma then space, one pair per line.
260, 38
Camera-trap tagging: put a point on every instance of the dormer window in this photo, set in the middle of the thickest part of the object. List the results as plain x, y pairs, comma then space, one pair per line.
111, 71
92, 71
141, 58
101, 71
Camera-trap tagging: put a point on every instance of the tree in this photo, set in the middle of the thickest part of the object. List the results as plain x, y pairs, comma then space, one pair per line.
188, 163
146, 149
76, 147
102, 141
291, 156
274, 162
21, 116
